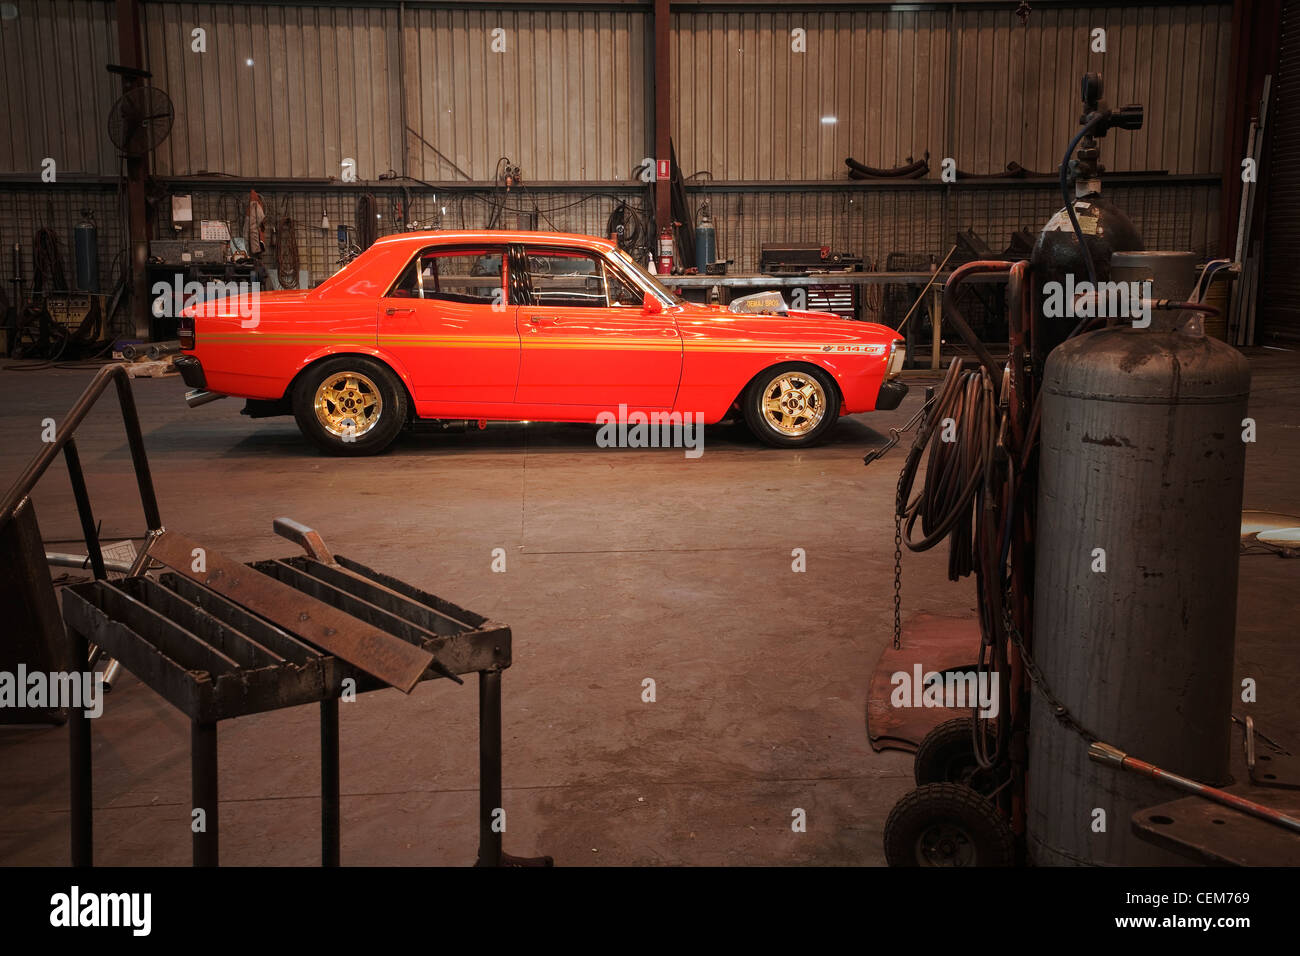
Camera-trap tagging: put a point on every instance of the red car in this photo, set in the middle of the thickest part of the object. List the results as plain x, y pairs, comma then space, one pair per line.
525, 326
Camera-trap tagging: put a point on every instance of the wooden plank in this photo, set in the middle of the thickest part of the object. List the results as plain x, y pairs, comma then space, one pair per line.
387, 657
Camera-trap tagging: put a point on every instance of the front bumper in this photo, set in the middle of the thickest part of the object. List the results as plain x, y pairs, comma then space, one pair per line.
191, 371
891, 395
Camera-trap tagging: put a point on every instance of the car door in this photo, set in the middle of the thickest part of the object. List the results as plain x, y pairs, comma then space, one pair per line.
448, 321
586, 342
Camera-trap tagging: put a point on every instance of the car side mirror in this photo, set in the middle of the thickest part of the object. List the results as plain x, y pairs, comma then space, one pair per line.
651, 305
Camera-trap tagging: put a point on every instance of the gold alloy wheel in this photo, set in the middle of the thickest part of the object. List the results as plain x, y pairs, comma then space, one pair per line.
793, 403
348, 405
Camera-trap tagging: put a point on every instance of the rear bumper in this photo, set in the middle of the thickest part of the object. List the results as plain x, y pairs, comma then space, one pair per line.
891, 395
191, 371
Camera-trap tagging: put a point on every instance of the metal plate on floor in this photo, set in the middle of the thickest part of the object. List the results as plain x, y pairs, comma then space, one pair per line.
1214, 834
396, 662
1276, 770
932, 643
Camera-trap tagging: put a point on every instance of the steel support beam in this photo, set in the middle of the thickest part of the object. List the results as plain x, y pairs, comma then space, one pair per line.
131, 54
663, 111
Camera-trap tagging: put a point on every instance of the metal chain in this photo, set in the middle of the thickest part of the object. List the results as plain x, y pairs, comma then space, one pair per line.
898, 578
895, 434
1059, 710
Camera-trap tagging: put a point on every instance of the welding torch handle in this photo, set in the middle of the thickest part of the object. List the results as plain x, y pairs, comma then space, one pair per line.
1112, 756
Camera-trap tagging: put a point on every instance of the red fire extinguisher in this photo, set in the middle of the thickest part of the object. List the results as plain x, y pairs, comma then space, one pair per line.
665, 266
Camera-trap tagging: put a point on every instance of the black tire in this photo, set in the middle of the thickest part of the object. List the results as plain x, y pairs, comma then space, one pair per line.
765, 387
947, 755
380, 411
946, 824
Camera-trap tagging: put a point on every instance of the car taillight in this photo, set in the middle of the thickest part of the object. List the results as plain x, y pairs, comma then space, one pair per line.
185, 331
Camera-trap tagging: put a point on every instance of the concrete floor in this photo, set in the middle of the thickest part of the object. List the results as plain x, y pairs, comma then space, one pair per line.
622, 565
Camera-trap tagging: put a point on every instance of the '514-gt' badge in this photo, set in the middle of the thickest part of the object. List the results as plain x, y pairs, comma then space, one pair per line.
864, 349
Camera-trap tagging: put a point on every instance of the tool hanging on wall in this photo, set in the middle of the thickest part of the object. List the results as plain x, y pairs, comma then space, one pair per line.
255, 217
286, 254
367, 228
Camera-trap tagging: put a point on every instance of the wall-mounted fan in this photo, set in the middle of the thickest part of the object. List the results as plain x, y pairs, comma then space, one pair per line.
140, 120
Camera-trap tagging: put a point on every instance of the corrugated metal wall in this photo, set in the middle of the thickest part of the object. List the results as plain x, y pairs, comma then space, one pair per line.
280, 91
570, 99
1019, 95
750, 107
1279, 206
57, 93
566, 97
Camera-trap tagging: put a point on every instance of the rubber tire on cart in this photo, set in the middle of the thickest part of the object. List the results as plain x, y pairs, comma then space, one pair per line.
378, 405
947, 755
947, 824
766, 385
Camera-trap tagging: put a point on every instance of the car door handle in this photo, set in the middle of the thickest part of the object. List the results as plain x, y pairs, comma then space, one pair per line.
396, 311
541, 319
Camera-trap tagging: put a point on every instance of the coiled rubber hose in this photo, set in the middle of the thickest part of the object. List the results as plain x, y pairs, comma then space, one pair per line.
958, 439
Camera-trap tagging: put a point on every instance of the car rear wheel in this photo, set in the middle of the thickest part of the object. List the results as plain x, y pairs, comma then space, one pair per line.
350, 406
792, 406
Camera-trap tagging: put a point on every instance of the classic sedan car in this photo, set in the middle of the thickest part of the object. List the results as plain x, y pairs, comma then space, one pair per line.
525, 326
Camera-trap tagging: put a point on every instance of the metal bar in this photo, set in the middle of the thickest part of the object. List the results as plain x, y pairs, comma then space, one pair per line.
489, 767
354, 584
60, 560
203, 789
84, 511
305, 537
233, 643
231, 614
1106, 754
81, 767
329, 782
936, 326
139, 459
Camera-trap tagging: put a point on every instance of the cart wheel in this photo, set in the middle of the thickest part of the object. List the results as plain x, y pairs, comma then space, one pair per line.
947, 824
947, 755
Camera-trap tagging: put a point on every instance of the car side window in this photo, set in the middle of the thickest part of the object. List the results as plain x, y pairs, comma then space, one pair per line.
570, 278
566, 279
621, 291
474, 276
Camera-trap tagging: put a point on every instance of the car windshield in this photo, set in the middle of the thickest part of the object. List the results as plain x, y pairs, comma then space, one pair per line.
629, 263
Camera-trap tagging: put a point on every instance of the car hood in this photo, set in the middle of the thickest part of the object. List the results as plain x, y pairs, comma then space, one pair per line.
801, 323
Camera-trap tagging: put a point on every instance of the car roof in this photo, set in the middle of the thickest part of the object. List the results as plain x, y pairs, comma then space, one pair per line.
439, 236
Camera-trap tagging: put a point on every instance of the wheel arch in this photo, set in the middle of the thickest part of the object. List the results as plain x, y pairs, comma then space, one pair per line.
738, 401
375, 356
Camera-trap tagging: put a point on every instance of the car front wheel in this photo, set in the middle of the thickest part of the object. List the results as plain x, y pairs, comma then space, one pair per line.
792, 406
350, 406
